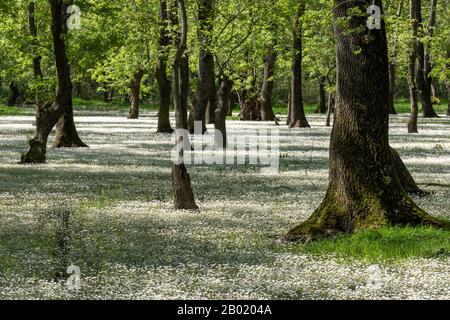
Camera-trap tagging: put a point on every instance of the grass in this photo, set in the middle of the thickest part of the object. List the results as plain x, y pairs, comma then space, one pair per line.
383, 245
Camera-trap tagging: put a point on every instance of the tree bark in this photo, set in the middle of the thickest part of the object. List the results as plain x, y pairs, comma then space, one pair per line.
181, 183
206, 60
322, 108
365, 190
212, 105
161, 72
135, 94
393, 65
48, 115
421, 77
13, 94
265, 98
412, 125
428, 67
330, 109
66, 132
221, 113
298, 118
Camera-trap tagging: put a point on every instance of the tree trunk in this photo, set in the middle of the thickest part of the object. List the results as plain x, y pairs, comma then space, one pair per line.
221, 113
365, 190
37, 71
412, 125
161, 72
13, 94
421, 77
447, 84
206, 60
322, 108
48, 115
289, 114
427, 62
265, 98
212, 105
181, 182
330, 109
66, 132
393, 65
298, 118
135, 94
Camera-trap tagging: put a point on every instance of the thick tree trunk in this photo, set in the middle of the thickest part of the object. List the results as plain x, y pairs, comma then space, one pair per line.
48, 115
421, 77
265, 98
221, 113
181, 183
206, 60
365, 190
298, 118
322, 108
13, 94
66, 132
412, 125
161, 72
135, 94
212, 105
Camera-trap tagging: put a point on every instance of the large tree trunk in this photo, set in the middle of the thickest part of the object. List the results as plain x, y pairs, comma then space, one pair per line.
66, 132
412, 125
206, 60
48, 115
221, 113
13, 94
421, 77
365, 190
161, 72
322, 108
135, 94
265, 98
184, 197
427, 62
298, 118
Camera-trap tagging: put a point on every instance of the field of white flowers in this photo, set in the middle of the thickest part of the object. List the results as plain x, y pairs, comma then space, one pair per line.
130, 244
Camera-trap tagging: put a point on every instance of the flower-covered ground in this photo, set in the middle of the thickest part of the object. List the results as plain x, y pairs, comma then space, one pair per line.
129, 243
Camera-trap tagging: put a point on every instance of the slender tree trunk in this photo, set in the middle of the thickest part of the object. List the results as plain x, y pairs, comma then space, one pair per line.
206, 60
322, 108
37, 71
66, 132
221, 113
181, 182
421, 77
161, 72
298, 118
135, 94
265, 98
48, 115
330, 109
13, 94
289, 114
412, 125
212, 105
428, 67
365, 190
393, 65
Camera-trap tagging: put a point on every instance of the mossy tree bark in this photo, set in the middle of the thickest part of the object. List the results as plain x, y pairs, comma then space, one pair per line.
161, 71
66, 132
365, 190
135, 94
298, 118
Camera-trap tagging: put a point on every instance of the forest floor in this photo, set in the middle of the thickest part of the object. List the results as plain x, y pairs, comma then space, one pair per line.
129, 243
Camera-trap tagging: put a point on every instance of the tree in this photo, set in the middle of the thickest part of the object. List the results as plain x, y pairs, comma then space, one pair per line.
298, 118
135, 93
47, 116
412, 125
206, 86
161, 71
365, 189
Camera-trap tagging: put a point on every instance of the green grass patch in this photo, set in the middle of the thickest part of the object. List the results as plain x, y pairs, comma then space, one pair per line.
16, 111
117, 104
383, 245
